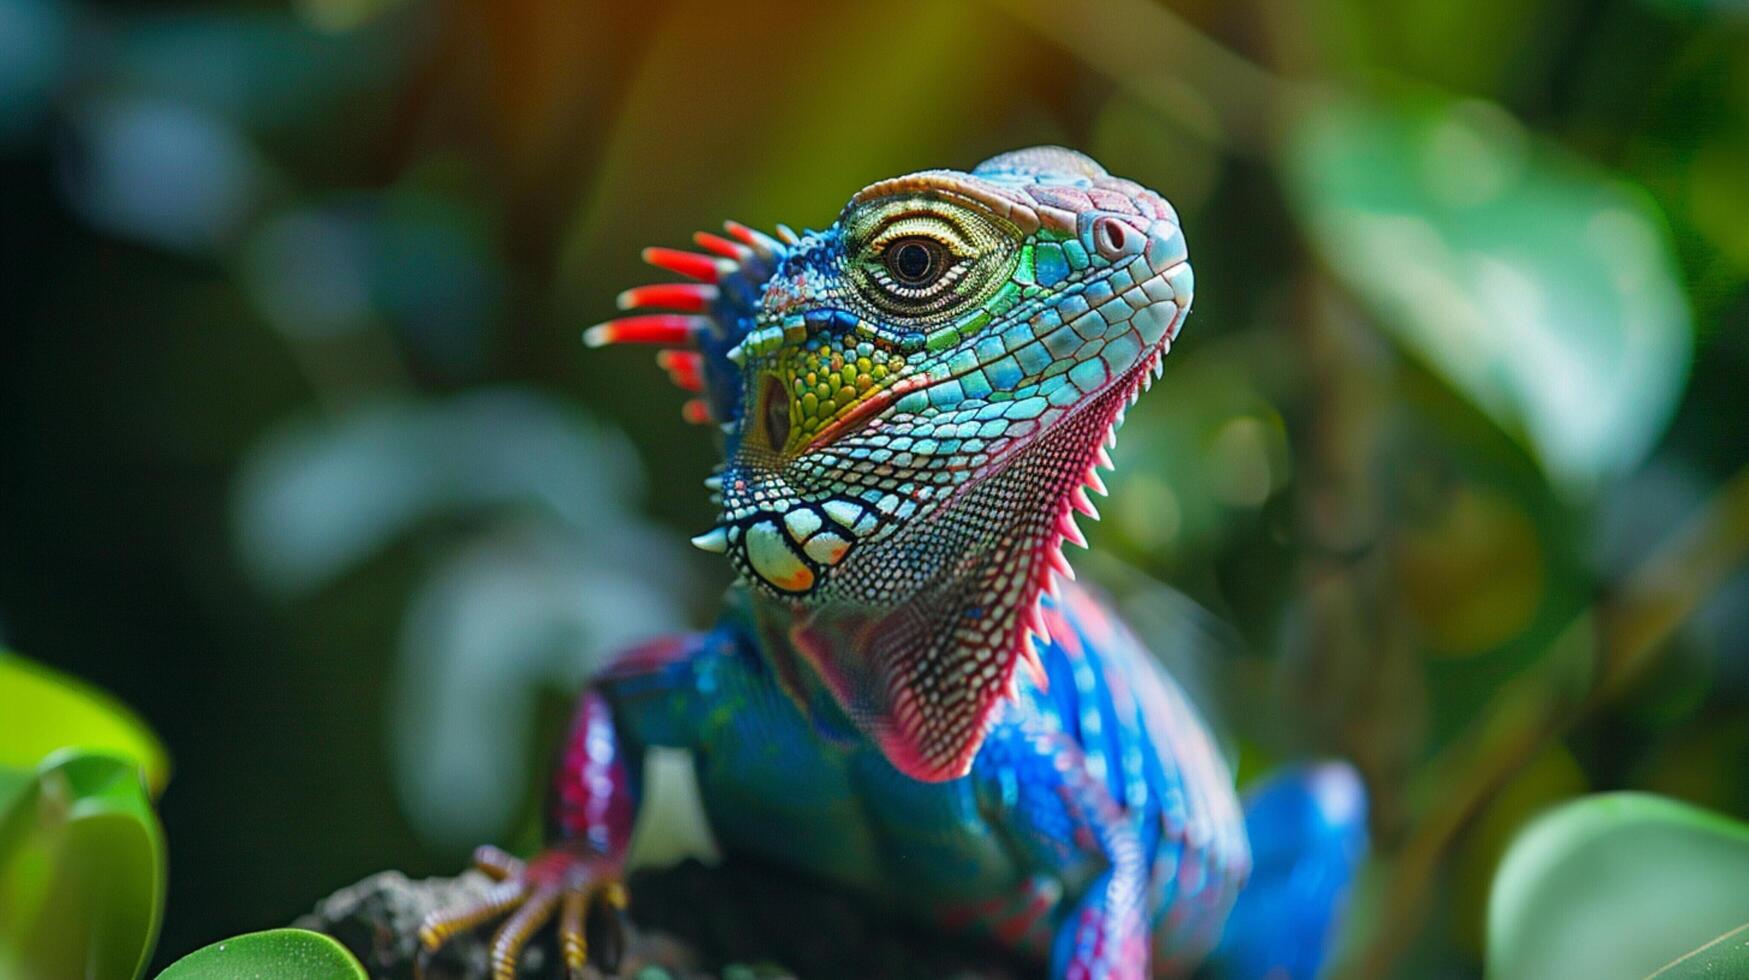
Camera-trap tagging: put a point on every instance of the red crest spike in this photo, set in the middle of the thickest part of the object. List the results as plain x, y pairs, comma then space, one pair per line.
689, 264
673, 329
697, 411
719, 245
741, 232
685, 368
765, 246
687, 297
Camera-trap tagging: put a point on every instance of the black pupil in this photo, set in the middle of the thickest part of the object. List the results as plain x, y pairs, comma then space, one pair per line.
913, 262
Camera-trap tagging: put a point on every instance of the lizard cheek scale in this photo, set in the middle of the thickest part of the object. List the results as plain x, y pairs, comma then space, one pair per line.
905, 693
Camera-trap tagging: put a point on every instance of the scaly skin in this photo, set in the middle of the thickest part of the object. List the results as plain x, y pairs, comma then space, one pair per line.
913, 402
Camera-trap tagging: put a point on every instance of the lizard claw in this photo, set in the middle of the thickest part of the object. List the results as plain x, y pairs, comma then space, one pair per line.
584, 890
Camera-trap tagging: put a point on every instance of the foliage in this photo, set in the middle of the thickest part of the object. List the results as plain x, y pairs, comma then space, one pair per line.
82, 855
1621, 885
284, 954
81, 851
47, 711
1726, 956
1499, 258
81, 869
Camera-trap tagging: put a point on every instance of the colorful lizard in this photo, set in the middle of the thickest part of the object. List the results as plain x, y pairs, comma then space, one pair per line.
904, 694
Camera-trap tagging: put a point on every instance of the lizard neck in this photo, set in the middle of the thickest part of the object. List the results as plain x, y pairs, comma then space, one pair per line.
920, 667
771, 623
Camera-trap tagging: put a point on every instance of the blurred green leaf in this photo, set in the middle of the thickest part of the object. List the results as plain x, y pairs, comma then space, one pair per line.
1414, 40
12, 783
81, 871
522, 608
162, 172
1726, 956
559, 571
1616, 885
260, 69
33, 58
283, 954
47, 711
318, 496
1538, 285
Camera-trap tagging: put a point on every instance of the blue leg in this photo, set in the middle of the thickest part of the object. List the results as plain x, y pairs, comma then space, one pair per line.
645, 697
1034, 784
1308, 837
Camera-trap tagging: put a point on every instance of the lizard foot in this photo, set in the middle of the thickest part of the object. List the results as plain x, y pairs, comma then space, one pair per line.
584, 890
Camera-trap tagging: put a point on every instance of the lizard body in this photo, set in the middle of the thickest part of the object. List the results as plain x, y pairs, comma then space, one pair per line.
903, 695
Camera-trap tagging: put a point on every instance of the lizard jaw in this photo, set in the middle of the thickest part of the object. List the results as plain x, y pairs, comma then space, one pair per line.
924, 674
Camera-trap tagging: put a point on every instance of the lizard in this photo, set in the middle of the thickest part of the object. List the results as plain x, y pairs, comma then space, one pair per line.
906, 692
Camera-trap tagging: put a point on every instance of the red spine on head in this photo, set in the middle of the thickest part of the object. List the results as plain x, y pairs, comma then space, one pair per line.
689, 264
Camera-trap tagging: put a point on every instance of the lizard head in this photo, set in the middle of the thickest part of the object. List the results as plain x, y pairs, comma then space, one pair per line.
914, 400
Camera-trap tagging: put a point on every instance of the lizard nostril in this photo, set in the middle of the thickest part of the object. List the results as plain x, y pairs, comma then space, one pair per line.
1111, 237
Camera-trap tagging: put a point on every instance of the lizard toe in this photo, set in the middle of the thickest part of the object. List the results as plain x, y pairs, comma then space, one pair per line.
582, 891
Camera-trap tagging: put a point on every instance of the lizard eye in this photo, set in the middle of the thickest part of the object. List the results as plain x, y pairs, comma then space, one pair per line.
917, 273
917, 270
916, 261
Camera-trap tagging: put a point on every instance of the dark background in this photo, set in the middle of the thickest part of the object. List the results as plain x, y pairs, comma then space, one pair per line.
302, 457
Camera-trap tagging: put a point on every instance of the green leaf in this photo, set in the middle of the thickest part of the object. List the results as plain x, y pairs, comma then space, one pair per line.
81, 870
12, 783
46, 711
1538, 285
1616, 885
281, 954
1726, 956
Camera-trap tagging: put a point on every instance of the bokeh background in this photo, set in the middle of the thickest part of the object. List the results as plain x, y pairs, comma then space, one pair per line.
300, 454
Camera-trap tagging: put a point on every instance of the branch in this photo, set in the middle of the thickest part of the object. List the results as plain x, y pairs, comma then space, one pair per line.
691, 922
